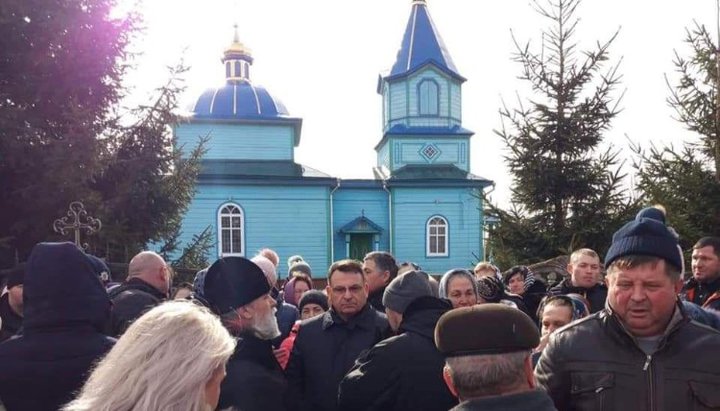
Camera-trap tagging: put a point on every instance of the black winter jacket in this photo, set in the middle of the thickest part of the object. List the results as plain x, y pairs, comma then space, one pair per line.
325, 349
66, 309
595, 364
254, 379
131, 300
404, 372
532, 298
536, 400
375, 300
596, 295
704, 295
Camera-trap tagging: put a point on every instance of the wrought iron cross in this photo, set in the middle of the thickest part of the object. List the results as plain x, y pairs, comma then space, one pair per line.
74, 222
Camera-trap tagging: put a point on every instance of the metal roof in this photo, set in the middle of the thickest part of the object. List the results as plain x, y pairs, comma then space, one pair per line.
422, 45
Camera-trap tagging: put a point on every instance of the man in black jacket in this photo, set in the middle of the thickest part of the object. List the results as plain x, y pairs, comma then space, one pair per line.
402, 372
326, 346
66, 311
237, 290
584, 269
379, 268
147, 285
641, 352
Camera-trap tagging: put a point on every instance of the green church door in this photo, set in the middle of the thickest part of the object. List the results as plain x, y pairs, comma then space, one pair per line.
360, 244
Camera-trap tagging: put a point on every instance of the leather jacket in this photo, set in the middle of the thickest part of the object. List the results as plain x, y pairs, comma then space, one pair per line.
596, 364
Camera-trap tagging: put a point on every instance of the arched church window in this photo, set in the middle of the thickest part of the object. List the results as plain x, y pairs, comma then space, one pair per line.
238, 67
428, 98
228, 69
231, 230
437, 237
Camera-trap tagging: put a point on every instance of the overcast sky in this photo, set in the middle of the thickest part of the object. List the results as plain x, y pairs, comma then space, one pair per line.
322, 59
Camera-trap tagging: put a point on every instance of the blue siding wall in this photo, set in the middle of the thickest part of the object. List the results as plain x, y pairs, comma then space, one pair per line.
411, 210
384, 156
290, 220
408, 151
398, 101
403, 100
349, 203
239, 141
442, 81
456, 100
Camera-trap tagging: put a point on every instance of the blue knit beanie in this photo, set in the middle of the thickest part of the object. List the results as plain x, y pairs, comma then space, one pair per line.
646, 235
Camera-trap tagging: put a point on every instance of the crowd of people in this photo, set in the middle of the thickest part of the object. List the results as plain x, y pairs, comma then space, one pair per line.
623, 333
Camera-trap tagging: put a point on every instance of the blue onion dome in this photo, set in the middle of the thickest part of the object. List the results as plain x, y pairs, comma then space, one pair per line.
238, 98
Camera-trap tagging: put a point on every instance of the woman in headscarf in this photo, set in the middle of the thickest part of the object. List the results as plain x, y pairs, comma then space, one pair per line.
459, 286
296, 287
558, 311
491, 290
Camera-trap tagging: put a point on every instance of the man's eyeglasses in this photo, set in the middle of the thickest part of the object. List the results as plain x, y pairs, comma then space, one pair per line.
355, 289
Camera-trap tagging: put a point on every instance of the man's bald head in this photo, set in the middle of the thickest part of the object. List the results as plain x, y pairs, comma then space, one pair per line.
151, 268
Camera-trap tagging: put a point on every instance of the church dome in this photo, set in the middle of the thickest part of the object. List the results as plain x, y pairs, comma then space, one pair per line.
238, 98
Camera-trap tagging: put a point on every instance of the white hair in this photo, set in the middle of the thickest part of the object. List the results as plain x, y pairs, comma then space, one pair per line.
487, 375
162, 362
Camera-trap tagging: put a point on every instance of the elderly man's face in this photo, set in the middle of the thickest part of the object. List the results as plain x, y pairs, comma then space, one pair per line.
644, 297
264, 323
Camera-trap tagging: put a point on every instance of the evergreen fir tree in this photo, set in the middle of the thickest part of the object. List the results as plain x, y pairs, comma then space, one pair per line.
61, 67
686, 180
566, 193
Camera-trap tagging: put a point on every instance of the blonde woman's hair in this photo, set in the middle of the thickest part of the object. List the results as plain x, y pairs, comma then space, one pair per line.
162, 362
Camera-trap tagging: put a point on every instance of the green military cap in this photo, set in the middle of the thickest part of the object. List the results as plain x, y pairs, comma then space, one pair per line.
485, 329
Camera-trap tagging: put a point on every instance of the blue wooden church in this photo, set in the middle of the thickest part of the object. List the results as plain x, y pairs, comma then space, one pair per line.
422, 204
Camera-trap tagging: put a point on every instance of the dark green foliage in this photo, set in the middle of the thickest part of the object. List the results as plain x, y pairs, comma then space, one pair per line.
685, 180
61, 138
684, 184
60, 70
146, 187
565, 193
695, 96
193, 255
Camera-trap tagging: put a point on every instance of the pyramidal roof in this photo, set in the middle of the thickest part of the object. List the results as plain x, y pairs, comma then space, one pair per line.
422, 45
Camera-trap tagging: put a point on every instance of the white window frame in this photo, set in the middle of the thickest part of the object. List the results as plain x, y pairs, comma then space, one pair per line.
428, 237
220, 229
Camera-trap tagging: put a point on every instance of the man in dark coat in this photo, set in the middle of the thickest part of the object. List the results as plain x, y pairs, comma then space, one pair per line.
237, 290
327, 346
703, 288
379, 268
402, 372
66, 310
11, 304
641, 352
147, 285
488, 350
584, 269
